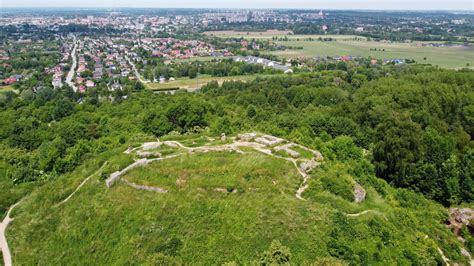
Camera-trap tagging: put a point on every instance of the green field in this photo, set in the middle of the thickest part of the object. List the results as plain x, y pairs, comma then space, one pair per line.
6, 88
196, 83
198, 58
200, 221
447, 57
270, 35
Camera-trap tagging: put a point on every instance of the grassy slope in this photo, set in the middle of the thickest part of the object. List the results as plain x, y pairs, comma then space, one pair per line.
123, 225
10, 193
448, 57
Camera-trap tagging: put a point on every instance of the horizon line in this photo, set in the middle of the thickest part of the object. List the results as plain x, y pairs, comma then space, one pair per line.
239, 8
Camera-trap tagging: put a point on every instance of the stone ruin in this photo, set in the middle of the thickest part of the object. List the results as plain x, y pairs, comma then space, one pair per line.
458, 217
115, 176
268, 140
247, 136
359, 193
308, 165
287, 148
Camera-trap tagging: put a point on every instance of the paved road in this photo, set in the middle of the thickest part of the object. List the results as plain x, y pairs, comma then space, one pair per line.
137, 74
70, 75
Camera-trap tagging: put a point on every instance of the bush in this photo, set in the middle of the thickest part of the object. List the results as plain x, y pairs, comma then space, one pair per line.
276, 254
341, 185
344, 148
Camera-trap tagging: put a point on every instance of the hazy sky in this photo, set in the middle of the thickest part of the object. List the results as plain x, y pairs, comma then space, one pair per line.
464, 5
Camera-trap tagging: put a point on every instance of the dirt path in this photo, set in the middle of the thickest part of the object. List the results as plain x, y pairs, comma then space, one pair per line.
82, 184
445, 259
360, 213
143, 187
7, 258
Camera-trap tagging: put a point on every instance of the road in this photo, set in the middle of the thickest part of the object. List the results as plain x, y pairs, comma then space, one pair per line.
70, 75
137, 74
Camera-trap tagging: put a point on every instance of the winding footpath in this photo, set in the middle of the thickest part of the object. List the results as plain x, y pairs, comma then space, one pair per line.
7, 257
70, 74
82, 184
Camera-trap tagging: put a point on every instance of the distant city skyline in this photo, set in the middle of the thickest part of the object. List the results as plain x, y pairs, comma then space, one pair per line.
460, 5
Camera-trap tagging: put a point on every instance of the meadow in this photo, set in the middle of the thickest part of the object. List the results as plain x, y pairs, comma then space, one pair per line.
198, 82
446, 57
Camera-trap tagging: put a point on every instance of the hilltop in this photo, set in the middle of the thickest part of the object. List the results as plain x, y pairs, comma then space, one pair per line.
365, 166
216, 200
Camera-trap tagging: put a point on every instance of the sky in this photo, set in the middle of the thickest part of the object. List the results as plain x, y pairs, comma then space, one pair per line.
460, 5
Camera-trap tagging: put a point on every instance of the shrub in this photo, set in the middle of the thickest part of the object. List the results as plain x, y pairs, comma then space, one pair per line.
342, 186
276, 254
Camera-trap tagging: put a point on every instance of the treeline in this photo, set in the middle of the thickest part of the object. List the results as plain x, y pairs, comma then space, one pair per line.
216, 68
416, 123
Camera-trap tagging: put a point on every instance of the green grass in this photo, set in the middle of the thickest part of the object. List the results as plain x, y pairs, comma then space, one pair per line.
304, 153
202, 226
198, 58
447, 57
192, 84
213, 170
6, 88
9, 192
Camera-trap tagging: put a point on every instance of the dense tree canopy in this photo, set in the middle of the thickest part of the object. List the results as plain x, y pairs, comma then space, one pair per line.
415, 122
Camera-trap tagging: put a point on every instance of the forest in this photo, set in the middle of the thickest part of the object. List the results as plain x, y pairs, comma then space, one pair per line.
415, 122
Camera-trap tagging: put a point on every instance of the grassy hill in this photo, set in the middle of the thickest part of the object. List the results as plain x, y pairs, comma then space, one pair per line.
226, 206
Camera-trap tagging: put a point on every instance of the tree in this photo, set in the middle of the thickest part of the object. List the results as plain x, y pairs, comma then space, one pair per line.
223, 125
139, 86
398, 150
157, 124
187, 113
344, 148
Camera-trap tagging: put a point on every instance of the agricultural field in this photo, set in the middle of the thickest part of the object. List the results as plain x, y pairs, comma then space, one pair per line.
446, 57
279, 34
220, 206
